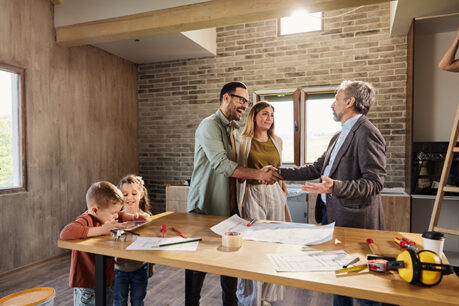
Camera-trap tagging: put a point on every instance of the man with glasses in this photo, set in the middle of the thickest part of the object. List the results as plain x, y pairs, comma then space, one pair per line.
213, 182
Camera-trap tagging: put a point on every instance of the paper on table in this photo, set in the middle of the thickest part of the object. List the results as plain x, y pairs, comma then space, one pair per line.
148, 243
310, 262
283, 232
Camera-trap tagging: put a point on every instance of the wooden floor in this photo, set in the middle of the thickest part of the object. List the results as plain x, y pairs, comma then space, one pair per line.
166, 287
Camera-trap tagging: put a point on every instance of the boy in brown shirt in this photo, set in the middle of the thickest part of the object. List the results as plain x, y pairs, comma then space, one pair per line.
104, 202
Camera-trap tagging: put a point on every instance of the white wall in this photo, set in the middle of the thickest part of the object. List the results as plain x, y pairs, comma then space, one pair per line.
78, 11
436, 92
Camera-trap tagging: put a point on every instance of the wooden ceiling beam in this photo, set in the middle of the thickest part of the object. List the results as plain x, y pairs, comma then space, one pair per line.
191, 17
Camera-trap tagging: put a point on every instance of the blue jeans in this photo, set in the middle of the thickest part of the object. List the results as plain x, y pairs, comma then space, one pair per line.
87, 296
137, 281
340, 300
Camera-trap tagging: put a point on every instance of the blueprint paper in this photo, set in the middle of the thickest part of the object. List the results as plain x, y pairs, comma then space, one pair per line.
310, 262
282, 232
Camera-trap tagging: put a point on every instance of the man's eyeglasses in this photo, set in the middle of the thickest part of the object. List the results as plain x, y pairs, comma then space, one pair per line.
242, 100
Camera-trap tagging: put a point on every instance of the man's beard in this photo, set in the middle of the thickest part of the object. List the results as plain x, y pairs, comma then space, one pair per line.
337, 117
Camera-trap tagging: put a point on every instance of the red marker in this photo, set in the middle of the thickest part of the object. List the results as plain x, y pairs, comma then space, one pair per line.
177, 231
163, 230
251, 222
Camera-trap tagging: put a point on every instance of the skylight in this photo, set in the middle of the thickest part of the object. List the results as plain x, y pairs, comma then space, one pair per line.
300, 22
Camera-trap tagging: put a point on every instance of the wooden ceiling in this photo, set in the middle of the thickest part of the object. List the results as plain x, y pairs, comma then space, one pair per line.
191, 17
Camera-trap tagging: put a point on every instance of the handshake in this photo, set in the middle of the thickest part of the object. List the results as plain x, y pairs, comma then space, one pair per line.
269, 175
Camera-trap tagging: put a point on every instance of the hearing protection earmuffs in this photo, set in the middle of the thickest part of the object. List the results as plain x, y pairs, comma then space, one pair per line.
424, 267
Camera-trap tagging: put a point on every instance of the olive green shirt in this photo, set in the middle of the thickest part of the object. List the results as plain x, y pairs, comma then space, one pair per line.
209, 188
262, 154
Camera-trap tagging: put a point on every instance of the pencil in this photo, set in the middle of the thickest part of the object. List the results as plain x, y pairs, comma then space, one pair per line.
178, 242
177, 231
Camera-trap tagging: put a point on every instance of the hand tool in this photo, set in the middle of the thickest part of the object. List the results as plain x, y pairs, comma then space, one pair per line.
406, 243
163, 230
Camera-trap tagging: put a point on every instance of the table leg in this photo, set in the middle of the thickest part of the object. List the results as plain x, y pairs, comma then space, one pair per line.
100, 280
188, 287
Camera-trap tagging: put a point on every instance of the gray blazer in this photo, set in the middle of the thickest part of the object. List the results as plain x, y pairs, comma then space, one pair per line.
358, 173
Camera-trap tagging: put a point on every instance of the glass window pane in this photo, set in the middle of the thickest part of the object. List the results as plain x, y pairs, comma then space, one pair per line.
283, 120
320, 126
300, 22
10, 151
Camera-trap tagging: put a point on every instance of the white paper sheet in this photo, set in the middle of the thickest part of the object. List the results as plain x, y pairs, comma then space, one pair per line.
148, 243
282, 232
310, 262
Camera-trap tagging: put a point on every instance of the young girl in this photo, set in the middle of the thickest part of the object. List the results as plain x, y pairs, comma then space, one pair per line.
259, 147
130, 274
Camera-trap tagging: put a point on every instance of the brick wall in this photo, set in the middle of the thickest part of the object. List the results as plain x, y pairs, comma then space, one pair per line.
175, 96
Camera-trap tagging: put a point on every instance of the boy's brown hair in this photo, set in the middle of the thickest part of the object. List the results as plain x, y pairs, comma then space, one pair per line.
103, 194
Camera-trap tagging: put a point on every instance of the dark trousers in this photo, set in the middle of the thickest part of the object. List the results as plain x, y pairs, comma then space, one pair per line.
341, 300
194, 281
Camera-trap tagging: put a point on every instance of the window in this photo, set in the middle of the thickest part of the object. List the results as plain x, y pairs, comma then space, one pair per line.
319, 124
12, 129
286, 122
305, 126
300, 22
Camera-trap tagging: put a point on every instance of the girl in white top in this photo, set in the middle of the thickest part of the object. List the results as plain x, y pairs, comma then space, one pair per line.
130, 275
259, 147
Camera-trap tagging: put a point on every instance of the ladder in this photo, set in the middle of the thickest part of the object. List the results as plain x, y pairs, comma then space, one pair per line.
442, 188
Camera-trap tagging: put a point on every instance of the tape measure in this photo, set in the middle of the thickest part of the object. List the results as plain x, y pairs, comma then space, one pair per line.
352, 269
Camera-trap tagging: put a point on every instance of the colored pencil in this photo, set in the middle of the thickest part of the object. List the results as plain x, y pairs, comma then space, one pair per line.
178, 242
177, 231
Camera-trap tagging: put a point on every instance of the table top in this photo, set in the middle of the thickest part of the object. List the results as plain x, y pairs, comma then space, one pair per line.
251, 262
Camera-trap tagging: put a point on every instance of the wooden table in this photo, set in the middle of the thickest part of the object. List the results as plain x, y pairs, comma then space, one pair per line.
251, 262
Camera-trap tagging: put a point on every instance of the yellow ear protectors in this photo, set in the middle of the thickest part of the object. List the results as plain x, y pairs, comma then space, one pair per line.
424, 267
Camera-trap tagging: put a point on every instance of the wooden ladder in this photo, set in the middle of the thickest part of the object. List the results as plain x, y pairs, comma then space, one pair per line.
442, 188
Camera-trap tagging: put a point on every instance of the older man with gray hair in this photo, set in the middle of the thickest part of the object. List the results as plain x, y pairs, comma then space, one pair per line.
352, 169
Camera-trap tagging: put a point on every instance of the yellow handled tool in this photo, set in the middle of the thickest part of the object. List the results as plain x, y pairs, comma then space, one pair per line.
352, 269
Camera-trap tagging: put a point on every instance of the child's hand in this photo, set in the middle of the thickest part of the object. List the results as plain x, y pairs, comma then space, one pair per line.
132, 217
105, 228
108, 226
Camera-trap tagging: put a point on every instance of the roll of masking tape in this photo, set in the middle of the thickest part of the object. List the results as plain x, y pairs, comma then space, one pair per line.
232, 240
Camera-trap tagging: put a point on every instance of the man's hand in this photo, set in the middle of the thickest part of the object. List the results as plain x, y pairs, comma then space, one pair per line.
269, 168
325, 187
268, 175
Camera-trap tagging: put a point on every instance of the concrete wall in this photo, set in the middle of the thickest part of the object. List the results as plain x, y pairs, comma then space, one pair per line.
81, 127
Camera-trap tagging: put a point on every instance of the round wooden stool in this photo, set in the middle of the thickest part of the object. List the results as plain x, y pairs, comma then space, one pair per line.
36, 296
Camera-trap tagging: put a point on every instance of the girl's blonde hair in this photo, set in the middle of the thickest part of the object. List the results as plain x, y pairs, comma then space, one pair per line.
144, 203
251, 125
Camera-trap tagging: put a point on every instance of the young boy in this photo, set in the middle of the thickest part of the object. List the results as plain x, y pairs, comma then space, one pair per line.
104, 202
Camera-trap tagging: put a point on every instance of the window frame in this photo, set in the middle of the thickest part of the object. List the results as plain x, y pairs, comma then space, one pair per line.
21, 127
296, 120
299, 115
